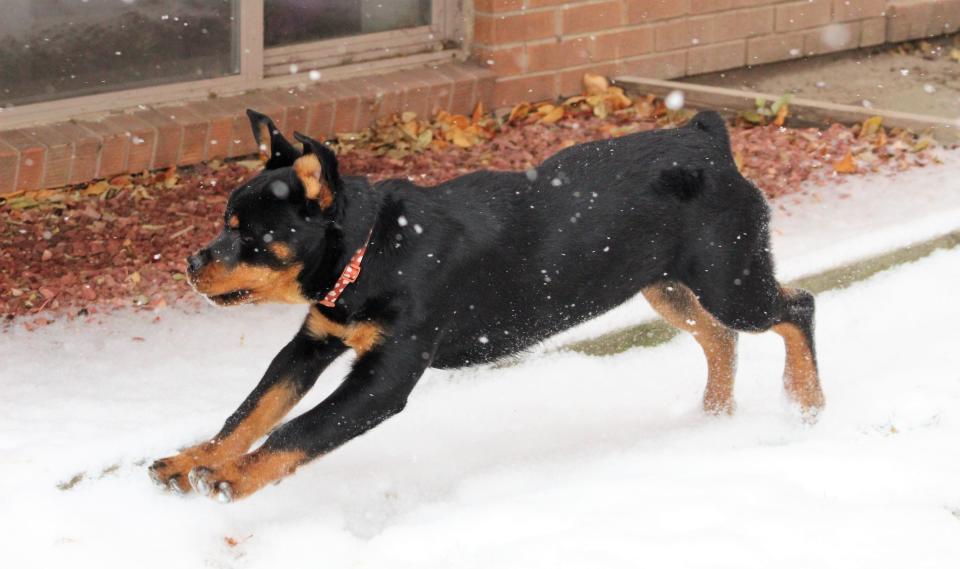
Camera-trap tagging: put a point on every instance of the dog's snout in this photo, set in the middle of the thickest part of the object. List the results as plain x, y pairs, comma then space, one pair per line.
195, 263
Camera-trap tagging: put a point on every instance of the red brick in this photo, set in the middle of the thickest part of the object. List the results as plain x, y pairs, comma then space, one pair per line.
557, 55
626, 43
835, 37
169, 136
738, 24
113, 147
643, 11
441, 91
345, 114
673, 35
220, 129
264, 103
707, 6
387, 93
946, 17
496, 30
716, 57
366, 90
778, 47
31, 158
59, 156
497, 5
193, 145
847, 10
873, 32
86, 152
592, 17
294, 112
506, 61
142, 137
462, 100
485, 91
545, 3
657, 66
801, 15
321, 106
508, 92
9, 163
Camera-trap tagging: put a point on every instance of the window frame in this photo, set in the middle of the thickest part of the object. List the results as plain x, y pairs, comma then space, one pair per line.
414, 46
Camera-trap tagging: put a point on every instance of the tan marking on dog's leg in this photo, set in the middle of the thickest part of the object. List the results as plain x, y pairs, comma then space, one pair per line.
800, 376
360, 336
249, 473
679, 307
271, 407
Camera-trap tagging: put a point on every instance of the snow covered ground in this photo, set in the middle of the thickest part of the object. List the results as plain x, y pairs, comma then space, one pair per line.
563, 460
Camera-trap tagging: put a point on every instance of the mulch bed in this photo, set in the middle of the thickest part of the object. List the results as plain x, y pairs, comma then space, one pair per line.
121, 243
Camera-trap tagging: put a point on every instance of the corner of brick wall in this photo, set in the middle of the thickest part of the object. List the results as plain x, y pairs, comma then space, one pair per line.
539, 49
74, 152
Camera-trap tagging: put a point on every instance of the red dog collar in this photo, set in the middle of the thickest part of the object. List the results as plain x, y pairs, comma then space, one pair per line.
349, 274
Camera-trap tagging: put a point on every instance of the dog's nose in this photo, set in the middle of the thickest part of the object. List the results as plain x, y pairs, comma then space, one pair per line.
194, 263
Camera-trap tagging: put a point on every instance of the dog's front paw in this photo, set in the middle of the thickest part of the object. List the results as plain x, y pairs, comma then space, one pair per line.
171, 473
239, 478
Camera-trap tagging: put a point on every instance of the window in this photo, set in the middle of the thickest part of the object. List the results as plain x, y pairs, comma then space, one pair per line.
315, 34
59, 58
297, 21
52, 49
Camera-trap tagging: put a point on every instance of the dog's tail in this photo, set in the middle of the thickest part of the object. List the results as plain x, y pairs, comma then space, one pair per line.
713, 124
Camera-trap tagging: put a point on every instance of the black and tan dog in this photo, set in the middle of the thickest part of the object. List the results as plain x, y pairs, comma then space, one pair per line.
475, 269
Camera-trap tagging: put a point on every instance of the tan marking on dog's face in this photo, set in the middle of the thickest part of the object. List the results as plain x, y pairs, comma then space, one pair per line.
308, 170
281, 251
253, 283
234, 222
360, 336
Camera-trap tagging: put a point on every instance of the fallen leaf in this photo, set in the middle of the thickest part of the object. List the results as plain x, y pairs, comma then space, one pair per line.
845, 165
552, 116
594, 84
870, 126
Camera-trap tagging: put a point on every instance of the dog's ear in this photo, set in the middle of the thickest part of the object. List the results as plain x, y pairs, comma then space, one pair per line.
318, 171
274, 148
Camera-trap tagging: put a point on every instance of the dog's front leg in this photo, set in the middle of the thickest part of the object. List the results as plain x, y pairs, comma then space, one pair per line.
376, 389
291, 374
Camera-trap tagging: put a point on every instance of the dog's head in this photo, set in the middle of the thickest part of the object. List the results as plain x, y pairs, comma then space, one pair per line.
271, 224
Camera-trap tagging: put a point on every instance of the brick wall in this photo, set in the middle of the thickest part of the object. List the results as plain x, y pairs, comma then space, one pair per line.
54, 155
539, 49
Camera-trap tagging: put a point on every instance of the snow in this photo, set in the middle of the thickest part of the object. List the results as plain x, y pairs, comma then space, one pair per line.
562, 460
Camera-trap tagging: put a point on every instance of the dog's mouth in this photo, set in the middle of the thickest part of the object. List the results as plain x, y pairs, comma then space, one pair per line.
231, 298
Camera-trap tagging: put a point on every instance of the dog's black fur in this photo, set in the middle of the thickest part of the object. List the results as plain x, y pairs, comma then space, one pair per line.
483, 266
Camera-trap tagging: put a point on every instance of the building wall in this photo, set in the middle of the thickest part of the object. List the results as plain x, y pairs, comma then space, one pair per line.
539, 49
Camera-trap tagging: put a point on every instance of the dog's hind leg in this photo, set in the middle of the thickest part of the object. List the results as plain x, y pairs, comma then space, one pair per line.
801, 378
742, 293
680, 308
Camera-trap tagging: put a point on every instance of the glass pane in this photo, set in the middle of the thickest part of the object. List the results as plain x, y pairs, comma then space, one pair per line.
52, 49
296, 21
